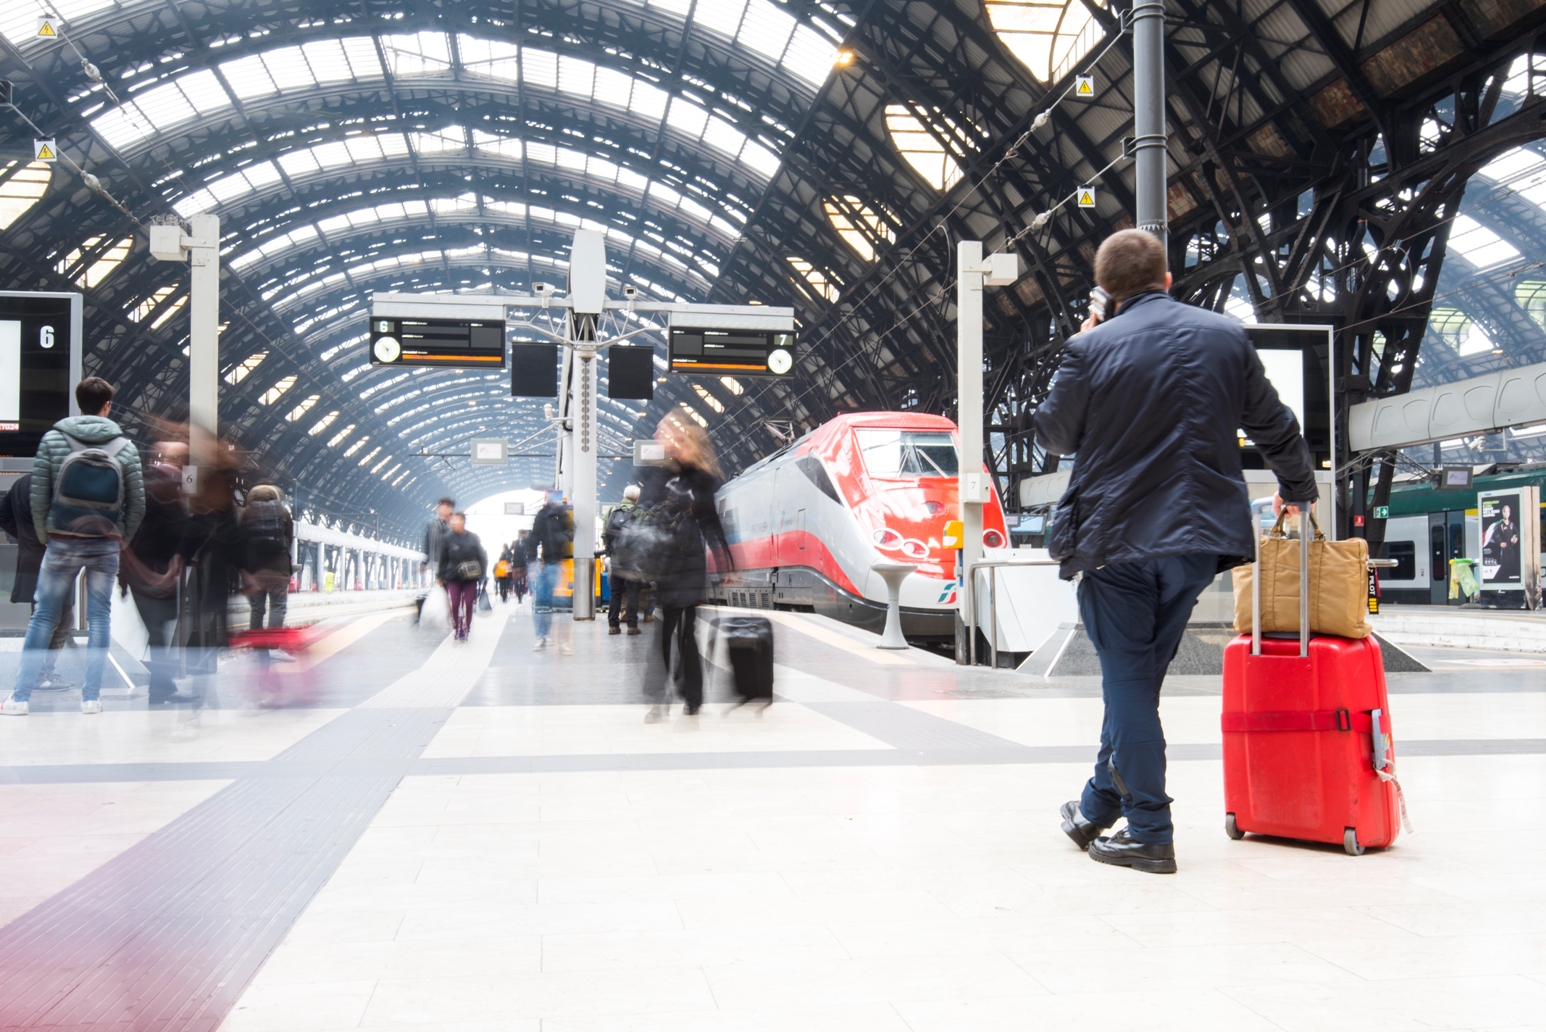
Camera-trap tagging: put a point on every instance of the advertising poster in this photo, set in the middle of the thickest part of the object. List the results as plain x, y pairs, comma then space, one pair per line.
1510, 520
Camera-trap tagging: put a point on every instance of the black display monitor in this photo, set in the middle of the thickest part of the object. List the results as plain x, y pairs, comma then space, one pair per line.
1297, 359
40, 363
722, 352
458, 343
534, 370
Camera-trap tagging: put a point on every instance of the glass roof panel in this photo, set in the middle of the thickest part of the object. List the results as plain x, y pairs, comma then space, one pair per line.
22, 190
576, 76
249, 77
1479, 245
766, 29
921, 148
493, 58
722, 16
418, 54
1048, 36
539, 67
328, 61
289, 69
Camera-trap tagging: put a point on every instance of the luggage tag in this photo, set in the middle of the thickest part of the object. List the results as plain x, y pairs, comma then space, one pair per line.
1384, 766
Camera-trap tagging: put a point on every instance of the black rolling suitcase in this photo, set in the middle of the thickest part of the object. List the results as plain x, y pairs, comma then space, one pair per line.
749, 640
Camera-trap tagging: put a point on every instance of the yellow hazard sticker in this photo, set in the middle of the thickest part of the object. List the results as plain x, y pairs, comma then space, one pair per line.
1084, 87
45, 150
1086, 197
46, 28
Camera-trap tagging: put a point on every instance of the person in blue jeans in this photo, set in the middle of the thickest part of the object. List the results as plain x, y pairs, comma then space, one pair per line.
88, 497
550, 543
1150, 399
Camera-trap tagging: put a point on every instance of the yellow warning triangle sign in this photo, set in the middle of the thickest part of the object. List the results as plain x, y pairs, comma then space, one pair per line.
1086, 198
43, 150
1085, 87
46, 27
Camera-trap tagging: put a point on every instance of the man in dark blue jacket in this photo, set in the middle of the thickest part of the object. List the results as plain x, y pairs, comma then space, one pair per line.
1150, 402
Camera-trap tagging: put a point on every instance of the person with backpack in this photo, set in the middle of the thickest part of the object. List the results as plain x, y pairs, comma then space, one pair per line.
152, 565
267, 535
502, 574
550, 543
463, 564
686, 526
88, 497
623, 582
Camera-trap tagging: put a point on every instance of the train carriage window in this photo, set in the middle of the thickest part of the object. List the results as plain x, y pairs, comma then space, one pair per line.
1405, 555
816, 473
897, 454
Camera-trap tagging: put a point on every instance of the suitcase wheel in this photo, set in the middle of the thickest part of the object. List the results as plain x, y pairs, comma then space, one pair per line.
1231, 829
1350, 842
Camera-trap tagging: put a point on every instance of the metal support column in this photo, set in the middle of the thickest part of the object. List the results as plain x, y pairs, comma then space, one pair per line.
969, 287
1149, 117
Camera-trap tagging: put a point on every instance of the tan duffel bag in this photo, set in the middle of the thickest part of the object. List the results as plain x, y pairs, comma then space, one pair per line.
1339, 585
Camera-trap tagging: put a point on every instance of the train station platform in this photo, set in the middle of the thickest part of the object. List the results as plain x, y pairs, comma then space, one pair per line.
482, 837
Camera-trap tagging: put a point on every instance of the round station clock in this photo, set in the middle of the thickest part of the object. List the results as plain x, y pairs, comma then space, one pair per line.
387, 349
780, 361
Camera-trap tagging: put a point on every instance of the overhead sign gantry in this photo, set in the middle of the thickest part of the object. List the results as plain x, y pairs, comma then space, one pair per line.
757, 339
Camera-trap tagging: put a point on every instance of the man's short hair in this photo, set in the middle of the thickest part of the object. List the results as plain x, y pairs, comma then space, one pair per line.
1130, 262
631, 492
92, 394
449, 503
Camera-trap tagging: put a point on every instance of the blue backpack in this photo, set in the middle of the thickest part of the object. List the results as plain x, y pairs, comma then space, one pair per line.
89, 491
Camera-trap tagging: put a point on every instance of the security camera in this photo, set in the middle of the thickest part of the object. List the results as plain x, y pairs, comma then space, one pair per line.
542, 289
630, 291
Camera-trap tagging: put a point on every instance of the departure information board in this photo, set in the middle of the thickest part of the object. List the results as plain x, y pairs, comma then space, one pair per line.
738, 352
437, 342
40, 363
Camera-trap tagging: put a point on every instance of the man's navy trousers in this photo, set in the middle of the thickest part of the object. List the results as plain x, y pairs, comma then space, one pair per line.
1135, 614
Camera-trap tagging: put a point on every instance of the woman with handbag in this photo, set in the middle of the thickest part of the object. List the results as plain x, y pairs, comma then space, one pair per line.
462, 564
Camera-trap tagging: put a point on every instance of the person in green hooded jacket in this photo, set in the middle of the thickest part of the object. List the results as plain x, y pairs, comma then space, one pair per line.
88, 497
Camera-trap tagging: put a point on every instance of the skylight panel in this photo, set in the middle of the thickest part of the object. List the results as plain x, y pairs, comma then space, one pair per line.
757, 157
858, 224
418, 54
921, 148
493, 58
681, 7
289, 69
304, 407
370, 455
723, 136
24, 189
453, 138
1516, 165
613, 87
249, 77
576, 77
336, 438
648, 100
1046, 35
244, 368
543, 153
539, 67
572, 160
102, 267
356, 446
299, 163
765, 29
722, 16
817, 280
687, 117
627, 177
277, 391
165, 106
601, 168
688, 206
361, 52
328, 61
1479, 245
809, 55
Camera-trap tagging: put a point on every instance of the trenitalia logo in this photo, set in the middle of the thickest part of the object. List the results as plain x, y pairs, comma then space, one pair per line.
947, 595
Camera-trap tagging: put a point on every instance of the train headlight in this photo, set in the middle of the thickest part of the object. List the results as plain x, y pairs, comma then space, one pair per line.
886, 538
992, 539
915, 549
934, 508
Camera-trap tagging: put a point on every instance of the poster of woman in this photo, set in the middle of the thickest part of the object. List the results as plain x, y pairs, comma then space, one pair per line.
1500, 540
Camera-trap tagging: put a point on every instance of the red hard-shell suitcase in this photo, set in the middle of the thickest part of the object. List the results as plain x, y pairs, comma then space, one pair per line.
1307, 740
1299, 742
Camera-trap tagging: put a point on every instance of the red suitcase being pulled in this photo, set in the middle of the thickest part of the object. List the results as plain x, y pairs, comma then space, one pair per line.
1306, 740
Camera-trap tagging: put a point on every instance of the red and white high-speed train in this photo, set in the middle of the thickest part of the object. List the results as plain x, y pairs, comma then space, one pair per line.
806, 523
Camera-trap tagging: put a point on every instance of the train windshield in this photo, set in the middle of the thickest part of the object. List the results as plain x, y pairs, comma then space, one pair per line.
895, 454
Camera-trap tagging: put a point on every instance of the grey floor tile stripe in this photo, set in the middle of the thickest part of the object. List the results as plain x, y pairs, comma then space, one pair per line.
167, 935
903, 727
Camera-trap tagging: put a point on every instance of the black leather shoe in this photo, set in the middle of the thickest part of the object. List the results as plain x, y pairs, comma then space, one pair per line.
1081, 831
1122, 851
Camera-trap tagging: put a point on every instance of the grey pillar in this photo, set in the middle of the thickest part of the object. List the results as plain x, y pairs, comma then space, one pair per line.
1149, 116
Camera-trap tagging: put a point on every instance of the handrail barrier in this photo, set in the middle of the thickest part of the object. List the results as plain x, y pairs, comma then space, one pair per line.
992, 568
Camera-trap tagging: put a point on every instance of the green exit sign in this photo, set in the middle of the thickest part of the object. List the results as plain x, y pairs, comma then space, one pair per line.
1382, 512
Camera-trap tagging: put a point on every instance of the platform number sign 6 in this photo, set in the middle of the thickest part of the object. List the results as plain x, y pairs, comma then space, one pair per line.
46, 337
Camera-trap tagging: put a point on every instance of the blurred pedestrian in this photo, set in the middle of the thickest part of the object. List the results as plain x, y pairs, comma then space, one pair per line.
463, 563
88, 497
16, 520
435, 532
153, 564
1150, 399
550, 544
268, 534
520, 559
622, 582
689, 525
502, 574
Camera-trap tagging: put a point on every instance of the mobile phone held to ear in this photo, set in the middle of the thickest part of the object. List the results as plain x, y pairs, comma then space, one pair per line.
1099, 299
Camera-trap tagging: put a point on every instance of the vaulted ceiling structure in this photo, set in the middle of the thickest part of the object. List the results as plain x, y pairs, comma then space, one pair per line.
821, 155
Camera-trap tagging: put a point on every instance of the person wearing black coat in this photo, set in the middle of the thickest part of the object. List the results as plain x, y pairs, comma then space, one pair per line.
1149, 401
16, 520
153, 564
686, 503
463, 565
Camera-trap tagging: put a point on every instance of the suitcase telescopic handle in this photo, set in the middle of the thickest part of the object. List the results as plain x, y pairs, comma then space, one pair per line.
1304, 584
